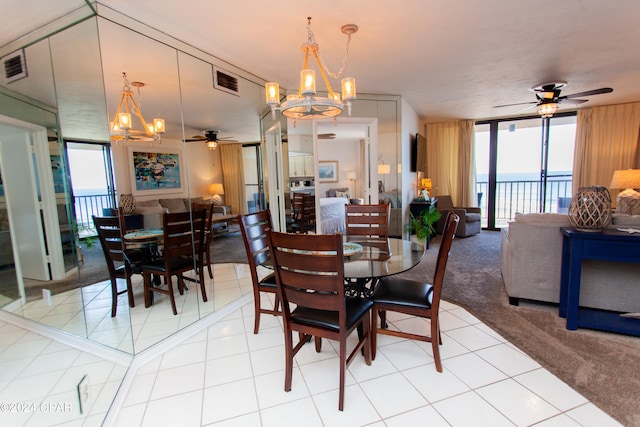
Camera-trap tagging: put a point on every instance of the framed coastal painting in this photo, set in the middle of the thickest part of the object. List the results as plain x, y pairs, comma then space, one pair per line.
328, 171
156, 171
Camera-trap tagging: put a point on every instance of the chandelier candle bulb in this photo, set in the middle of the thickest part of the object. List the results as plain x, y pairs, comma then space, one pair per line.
124, 121
348, 88
158, 125
272, 93
308, 82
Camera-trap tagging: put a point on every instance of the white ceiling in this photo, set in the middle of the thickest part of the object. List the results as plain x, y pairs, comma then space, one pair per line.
448, 59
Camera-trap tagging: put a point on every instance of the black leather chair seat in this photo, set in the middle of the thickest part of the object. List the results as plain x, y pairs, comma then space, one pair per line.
268, 281
356, 308
175, 264
399, 291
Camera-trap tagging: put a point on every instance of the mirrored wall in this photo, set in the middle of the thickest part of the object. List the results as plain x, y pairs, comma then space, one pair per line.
72, 91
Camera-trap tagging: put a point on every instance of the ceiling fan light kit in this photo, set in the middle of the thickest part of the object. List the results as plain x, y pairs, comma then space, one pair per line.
306, 104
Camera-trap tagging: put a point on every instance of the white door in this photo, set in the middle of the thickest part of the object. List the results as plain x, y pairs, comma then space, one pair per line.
275, 177
30, 200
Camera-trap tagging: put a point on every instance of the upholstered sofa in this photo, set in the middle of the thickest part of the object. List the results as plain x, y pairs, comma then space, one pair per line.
152, 210
531, 257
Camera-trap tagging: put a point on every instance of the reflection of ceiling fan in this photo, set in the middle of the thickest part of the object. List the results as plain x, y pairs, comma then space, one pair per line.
548, 97
211, 138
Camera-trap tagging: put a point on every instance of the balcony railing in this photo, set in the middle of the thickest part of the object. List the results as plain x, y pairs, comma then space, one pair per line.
523, 197
89, 205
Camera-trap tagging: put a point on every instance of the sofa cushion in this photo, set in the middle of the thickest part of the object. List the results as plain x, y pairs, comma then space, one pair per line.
332, 191
472, 217
151, 209
622, 220
390, 197
174, 205
148, 203
547, 218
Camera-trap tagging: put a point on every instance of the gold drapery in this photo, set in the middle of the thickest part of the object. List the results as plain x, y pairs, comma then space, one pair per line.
233, 175
450, 160
606, 140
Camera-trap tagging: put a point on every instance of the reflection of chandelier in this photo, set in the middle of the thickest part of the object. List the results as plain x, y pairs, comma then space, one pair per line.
121, 127
547, 109
306, 104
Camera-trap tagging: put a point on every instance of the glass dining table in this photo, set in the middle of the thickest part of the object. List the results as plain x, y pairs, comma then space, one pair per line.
367, 260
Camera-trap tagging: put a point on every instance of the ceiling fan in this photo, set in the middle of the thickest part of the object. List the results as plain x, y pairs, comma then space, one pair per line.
211, 138
548, 97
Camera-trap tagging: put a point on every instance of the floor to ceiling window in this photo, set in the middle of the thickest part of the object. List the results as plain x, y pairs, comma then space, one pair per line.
523, 165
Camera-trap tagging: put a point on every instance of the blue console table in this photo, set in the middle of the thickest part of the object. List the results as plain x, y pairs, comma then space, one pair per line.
607, 245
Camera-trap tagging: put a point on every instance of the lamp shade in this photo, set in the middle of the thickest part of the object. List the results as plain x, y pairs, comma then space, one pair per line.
351, 175
627, 178
384, 169
216, 188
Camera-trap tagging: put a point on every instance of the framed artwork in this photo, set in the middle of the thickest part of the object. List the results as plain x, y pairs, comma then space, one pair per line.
158, 170
328, 171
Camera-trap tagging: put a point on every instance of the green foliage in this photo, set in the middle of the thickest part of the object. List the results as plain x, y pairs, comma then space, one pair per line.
423, 225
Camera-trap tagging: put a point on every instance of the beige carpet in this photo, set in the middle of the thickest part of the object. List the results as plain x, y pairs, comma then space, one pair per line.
604, 367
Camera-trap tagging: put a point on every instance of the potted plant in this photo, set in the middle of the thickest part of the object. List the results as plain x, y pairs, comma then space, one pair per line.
423, 225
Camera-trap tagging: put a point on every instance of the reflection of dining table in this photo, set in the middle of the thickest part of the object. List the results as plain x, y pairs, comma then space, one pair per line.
378, 258
147, 240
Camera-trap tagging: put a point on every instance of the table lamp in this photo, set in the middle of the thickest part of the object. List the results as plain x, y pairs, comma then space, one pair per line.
628, 201
384, 170
351, 176
216, 189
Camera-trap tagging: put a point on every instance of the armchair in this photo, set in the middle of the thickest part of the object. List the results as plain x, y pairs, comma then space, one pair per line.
469, 217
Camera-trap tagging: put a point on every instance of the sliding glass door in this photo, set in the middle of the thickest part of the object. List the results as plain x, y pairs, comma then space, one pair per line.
523, 165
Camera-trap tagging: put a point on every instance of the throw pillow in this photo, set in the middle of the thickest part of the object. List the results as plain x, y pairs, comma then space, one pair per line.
148, 203
342, 194
174, 205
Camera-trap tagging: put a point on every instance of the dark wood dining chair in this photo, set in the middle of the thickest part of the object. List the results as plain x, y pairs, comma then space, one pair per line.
120, 264
304, 213
367, 220
415, 298
208, 232
254, 228
182, 240
309, 273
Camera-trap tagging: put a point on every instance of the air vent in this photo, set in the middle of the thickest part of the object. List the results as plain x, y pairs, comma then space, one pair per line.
225, 81
15, 67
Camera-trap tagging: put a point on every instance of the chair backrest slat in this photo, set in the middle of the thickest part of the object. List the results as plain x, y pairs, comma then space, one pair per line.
183, 233
367, 220
254, 228
309, 271
110, 236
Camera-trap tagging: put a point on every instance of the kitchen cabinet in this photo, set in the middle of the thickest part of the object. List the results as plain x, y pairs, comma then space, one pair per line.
301, 166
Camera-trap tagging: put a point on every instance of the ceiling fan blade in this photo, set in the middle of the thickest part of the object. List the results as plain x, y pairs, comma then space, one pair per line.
527, 108
326, 136
588, 93
572, 101
511, 105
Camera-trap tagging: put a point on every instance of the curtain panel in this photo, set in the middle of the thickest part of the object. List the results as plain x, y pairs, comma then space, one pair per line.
606, 140
233, 175
450, 160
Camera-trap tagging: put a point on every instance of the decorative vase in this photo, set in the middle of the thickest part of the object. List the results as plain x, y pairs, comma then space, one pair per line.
128, 203
590, 209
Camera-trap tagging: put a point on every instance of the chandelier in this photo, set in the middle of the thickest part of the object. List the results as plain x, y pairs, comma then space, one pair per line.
306, 104
547, 109
121, 128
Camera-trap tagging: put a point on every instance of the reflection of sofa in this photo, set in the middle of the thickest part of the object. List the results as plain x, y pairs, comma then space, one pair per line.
152, 210
531, 257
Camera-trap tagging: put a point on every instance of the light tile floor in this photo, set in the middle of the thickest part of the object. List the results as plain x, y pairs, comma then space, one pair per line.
226, 375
